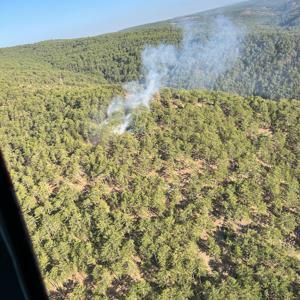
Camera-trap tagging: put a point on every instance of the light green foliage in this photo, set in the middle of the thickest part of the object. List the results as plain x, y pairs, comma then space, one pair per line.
199, 199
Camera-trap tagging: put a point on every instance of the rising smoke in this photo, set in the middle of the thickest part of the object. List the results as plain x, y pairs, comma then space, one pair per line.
196, 63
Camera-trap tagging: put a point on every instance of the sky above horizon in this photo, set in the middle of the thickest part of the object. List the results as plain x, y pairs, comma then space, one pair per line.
30, 21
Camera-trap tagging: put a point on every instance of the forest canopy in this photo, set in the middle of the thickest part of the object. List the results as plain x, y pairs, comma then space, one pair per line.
198, 199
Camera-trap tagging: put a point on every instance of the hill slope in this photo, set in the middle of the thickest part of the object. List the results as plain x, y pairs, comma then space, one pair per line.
201, 198
269, 65
198, 200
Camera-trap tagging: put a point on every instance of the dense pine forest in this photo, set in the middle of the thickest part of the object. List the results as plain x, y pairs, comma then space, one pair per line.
199, 199
268, 67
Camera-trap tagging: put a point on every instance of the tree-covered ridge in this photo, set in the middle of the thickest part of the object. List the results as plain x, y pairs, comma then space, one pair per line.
200, 199
116, 56
269, 64
18, 72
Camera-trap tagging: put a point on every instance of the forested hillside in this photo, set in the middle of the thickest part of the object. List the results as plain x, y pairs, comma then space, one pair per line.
269, 65
199, 199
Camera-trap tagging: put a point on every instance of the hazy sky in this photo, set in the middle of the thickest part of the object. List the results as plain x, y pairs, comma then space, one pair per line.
27, 21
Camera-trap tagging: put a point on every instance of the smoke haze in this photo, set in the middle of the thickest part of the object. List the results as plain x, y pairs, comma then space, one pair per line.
196, 63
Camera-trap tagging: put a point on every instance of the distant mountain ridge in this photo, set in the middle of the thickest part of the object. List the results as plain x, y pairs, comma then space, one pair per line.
282, 13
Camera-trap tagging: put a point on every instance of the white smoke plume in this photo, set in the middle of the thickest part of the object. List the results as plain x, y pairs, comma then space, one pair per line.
195, 64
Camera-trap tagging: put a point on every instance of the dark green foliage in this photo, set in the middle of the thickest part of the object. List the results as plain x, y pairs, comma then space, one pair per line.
269, 64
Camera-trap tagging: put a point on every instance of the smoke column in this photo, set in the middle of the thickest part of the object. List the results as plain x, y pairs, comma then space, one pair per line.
195, 64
